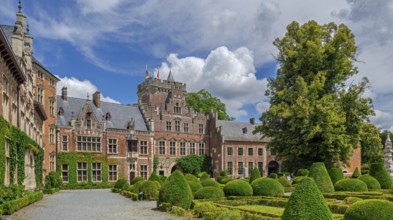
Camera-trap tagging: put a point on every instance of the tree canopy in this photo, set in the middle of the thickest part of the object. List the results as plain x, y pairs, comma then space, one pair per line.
204, 101
194, 164
314, 116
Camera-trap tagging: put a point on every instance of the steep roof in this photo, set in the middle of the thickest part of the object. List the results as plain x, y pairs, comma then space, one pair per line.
120, 114
234, 131
8, 30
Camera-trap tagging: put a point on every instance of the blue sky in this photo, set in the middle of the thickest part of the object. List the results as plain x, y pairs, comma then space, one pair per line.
223, 46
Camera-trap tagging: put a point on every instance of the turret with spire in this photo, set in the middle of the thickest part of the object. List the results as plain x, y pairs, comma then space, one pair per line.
388, 156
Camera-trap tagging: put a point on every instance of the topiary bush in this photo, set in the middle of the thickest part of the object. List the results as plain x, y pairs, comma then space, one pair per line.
136, 179
297, 179
210, 192
120, 183
195, 186
370, 209
238, 188
224, 173
226, 180
255, 174
267, 187
319, 173
162, 178
155, 177
284, 181
302, 172
190, 177
204, 176
53, 180
336, 174
350, 200
273, 176
378, 171
210, 182
371, 182
135, 188
306, 202
351, 185
150, 189
176, 191
356, 173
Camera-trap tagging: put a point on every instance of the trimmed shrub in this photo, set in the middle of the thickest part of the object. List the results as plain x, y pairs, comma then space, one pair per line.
319, 173
297, 179
150, 189
336, 174
351, 185
162, 178
12, 206
224, 173
136, 179
356, 173
302, 172
210, 182
120, 183
371, 182
155, 177
210, 192
378, 171
190, 177
229, 214
267, 187
238, 188
195, 186
351, 200
226, 180
204, 176
53, 180
176, 191
284, 181
201, 208
255, 174
273, 176
178, 211
369, 210
306, 202
135, 188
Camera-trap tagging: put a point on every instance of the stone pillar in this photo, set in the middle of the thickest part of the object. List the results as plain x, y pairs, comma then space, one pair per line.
388, 156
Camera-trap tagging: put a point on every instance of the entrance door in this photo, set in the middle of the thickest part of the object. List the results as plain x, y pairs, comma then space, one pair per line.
272, 167
132, 176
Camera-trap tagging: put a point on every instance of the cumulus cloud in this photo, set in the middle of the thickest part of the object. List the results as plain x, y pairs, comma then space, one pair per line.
80, 88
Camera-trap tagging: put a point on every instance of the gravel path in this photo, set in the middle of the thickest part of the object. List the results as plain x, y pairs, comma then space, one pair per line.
89, 205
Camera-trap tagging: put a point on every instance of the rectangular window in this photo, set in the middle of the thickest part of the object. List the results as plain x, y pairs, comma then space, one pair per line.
230, 168
96, 172
182, 148
240, 151
90, 144
52, 163
192, 148
177, 126
200, 128
112, 146
185, 128
144, 171
201, 149
273, 152
250, 167
161, 148
88, 124
112, 173
52, 135
168, 126
82, 172
260, 151
177, 109
240, 168
52, 107
229, 151
64, 143
260, 167
250, 151
172, 148
40, 95
143, 145
64, 172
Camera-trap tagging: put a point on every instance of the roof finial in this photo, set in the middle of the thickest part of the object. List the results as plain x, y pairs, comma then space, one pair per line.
27, 29
88, 96
20, 7
170, 77
147, 73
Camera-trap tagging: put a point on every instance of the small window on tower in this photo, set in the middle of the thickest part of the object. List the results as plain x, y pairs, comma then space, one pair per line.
177, 109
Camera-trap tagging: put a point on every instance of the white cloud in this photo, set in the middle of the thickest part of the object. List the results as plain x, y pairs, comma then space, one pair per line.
80, 89
262, 107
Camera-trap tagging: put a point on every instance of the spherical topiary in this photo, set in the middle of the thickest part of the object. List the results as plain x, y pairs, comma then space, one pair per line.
136, 179
203, 176
356, 173
273, 176
224, 173
378, 171
319, 173
370, 209
120, 183
135, 188
176, 191
302, 172
284, 181
238, 188
210, 192
371, 182
226, 180
297, 179
306, 202
195, 186
351, 185
150, 189
267, 187
155, 177
190, 177
255, 174
336, 174
210, 182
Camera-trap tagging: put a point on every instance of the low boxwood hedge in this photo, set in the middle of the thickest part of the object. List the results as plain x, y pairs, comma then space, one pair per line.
267, 187
210, 182
226, 180
210, 192
370, 210
351, 185
120, 183
238, 188
371, 182
130, 195
12, 206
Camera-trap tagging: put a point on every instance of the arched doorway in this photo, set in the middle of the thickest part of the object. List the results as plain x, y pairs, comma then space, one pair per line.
176, 167
272, 167
132, 176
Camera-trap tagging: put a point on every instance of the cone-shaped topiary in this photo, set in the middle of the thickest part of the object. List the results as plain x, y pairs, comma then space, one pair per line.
370, 209
302, 172
150, 189
319, 173
255, 174
176, 191
190, 177
378, 171
210, 182
350, 185
267, 187
284, 181
238, 188
155, 177
336, 174
210, 192
195, 186
306, 203
356, 173
371, 182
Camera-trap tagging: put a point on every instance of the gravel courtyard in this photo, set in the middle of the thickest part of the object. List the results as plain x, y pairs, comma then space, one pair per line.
89, 205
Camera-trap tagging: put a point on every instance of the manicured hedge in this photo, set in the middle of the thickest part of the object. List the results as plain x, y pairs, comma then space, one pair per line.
136, 179
210, 192
226, 180
176, 192
302, 172
356, 173
195, 186
378, 171
155, 177
120, 183
297, 179
255, 174
150, 189
50, 191
371, 182
319, 173
203, 176
351, 185
190, 177
238, 188
210, 182
284, 181
53, 180
12, 206
307, 202
267, 187
336, 174
273, 176
135, 188
371, 209
130, 195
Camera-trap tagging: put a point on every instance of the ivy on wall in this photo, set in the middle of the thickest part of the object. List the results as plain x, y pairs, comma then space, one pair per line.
19, 143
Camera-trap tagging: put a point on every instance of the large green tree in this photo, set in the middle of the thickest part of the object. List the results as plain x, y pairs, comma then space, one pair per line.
204, 101
314, 116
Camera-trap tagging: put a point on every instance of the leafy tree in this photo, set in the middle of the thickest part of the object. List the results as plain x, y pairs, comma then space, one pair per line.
204, 101
194, 164
371, 144
314, 116
155, 163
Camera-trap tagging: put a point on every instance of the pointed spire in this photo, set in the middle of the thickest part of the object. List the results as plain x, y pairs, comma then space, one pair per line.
388, 141
158, 74
170, 77
147, 73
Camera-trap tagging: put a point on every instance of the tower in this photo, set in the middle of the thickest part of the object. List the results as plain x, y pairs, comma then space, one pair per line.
388, 156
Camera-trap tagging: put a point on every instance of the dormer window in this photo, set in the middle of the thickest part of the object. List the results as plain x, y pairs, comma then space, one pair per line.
88, 123
244, 130
177, 108
108, 116
61, 111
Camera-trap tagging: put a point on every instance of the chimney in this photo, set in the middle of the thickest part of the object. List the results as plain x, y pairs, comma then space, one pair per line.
64, 93
252, 121
97, 99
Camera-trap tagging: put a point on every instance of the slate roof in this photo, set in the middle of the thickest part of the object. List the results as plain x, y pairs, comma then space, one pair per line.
8, 30
233, 131
120, 113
